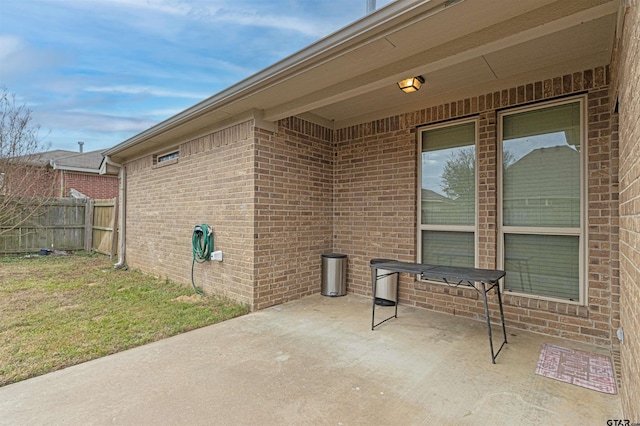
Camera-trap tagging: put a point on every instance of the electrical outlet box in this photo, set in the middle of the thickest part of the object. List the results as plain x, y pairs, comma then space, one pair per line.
217, 255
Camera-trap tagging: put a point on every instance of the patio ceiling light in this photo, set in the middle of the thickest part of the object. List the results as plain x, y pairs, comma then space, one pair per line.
412, 84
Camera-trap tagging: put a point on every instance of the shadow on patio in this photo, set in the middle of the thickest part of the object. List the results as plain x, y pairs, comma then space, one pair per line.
315, 361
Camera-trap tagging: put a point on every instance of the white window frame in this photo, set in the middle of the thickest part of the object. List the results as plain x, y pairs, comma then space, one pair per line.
445, 228
581, 232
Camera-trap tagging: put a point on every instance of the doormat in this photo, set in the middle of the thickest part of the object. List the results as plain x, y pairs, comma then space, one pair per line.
580, 368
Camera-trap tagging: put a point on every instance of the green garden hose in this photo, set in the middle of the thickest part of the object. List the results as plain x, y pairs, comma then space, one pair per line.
202, 247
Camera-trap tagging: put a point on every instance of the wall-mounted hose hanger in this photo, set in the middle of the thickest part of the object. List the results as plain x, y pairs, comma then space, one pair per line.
202, 246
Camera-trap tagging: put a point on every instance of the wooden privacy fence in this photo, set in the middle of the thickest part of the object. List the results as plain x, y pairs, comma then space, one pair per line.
104, 214
62, 224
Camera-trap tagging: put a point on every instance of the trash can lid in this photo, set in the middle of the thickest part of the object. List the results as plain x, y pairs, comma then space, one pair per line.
334, 255
374, 261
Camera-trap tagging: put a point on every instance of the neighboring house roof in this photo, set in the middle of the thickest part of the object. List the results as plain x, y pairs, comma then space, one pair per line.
85, 162
462, 49
432, 196
561, 165
45, 158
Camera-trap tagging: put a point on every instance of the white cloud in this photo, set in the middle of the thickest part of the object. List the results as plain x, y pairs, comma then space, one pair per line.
17, 58
92, 122
8, 45
229, 12
255, 19
146, 90
162, 114
169, 7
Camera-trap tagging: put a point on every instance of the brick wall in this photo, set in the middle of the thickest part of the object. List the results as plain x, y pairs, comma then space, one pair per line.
46, 182
93, 186
211, 182
268, 196
376, 199
25, 180
293, 219
628, 72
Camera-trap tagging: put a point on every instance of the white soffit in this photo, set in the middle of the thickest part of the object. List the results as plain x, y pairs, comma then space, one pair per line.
388, 98
526, 42
585, 44
593, 39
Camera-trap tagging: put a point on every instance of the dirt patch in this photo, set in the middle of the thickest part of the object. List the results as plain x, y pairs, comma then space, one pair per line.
194, 298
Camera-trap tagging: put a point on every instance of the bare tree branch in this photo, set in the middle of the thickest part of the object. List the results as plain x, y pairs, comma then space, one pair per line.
26, 179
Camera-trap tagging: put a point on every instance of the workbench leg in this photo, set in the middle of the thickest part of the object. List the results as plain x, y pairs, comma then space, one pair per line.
504, 329
397, 293
374, 282
486, 313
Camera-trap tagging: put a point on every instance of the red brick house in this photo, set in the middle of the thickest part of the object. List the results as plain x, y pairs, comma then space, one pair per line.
81, 172
322, 152
61, 173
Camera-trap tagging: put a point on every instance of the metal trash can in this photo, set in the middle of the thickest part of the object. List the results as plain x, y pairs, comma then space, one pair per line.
334, 274
387, 287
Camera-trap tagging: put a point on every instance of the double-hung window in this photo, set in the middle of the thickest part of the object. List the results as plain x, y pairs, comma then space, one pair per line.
542, 201
447, 197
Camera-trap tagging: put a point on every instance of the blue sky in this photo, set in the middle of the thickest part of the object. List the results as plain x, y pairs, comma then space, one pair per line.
101, 71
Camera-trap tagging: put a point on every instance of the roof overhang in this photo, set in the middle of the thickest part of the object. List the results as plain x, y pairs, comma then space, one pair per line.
108, 167
461, 48
73, 169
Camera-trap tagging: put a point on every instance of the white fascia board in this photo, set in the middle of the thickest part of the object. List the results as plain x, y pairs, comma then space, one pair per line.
54, 166
76, 169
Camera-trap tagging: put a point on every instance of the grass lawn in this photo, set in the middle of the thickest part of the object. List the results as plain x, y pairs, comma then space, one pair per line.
59, 311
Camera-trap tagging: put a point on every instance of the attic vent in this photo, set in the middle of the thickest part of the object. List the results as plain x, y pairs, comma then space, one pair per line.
166, 158
169, 156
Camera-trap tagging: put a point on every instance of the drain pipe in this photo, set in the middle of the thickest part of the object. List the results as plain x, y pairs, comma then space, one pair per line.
121, 208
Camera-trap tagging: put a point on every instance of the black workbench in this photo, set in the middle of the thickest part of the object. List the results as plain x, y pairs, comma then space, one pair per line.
488, 279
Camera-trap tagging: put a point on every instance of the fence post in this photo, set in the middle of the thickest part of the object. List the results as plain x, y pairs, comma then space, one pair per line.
88, 225
114, 228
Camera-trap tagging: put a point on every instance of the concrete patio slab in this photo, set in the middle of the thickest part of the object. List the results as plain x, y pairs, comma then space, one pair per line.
315, 361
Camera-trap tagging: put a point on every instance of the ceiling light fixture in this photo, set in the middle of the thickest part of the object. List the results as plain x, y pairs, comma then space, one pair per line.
412, 84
